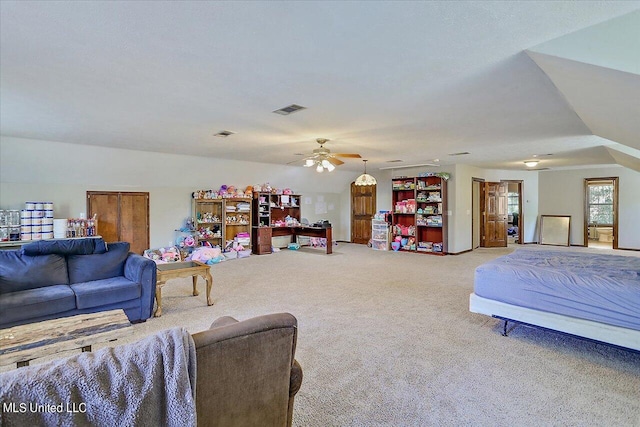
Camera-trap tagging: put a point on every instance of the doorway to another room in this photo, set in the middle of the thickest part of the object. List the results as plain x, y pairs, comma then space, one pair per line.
514, 212
601, 213
497, 207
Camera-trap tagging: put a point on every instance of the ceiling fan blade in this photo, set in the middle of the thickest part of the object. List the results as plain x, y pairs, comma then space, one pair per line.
348, 155
334, 161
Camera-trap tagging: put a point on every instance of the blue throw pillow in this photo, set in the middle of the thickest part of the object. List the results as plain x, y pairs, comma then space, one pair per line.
85, 268
20, 272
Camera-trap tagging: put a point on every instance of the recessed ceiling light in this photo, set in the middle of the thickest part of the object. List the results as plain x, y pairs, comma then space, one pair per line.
531, 163
462, 153
285, 111
223, 133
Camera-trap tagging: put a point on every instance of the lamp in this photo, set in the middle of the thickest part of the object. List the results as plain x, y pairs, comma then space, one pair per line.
531, 163
365, 179
320, 163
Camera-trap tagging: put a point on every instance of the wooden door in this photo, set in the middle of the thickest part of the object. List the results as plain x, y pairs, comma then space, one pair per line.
363, 207
494, 214
105, 205
134, 220
122, 217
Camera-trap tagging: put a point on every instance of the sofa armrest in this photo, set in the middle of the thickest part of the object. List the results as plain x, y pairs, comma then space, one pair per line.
143, 271
223, 321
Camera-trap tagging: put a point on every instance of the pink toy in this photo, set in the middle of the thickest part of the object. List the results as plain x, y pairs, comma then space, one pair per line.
205, 254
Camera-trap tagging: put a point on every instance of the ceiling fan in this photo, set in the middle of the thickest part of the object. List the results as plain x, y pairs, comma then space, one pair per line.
323, 158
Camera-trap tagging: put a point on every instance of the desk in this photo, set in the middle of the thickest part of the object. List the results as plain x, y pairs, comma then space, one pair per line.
20, 344
305, 231
174, 270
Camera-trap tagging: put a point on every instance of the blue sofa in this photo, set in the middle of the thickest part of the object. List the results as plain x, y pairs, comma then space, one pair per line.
58, 278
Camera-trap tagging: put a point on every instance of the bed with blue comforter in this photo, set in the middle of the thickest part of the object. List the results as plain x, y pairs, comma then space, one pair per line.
591, 295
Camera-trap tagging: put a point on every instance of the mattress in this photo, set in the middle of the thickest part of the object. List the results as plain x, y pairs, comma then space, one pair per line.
601, 288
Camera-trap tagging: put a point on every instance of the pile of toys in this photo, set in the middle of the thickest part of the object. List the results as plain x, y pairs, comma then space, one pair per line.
163, 255
231, 191
225, 191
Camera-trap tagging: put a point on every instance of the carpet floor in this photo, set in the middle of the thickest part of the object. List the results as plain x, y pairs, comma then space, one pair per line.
387, 339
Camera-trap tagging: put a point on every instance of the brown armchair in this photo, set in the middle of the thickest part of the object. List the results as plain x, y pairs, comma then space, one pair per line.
247, 374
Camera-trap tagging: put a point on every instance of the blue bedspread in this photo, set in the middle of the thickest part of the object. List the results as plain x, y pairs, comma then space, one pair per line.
602, 288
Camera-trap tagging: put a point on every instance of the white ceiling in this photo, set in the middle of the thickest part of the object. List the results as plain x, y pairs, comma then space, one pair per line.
409, 81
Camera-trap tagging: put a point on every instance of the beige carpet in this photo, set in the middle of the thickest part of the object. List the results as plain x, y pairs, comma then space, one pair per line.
386, 339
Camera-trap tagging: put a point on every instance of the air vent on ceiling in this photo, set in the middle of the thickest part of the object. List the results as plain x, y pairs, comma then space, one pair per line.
223, 133
462, 153
542, 155
395, 161
285, 111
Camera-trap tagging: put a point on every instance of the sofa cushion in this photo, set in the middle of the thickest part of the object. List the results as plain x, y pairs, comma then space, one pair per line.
85, 246
106, 291
85, 268
20, 272
22, 305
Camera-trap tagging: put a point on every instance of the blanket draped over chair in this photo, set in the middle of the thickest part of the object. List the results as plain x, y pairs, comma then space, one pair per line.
150, 382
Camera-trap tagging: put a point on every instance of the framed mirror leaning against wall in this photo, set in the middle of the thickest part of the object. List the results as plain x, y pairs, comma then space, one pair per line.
555, 230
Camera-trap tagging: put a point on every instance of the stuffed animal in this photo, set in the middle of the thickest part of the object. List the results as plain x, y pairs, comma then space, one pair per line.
205, 254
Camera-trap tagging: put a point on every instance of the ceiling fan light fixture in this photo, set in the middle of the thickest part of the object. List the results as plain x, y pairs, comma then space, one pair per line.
319, 169
308, 163
365, 178
330, 167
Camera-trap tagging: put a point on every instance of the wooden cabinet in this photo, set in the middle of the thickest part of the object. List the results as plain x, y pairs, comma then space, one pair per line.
262, 240
419, 214
123, 217
282, 206
208, 216
272, 210
262, 209
237, 220
220, 221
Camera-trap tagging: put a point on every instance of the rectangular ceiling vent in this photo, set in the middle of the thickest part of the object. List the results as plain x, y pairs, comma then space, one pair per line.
285, 111
223, 133
462, 153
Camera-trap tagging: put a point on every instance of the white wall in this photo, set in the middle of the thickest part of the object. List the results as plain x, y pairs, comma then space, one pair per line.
63, 173
562, 193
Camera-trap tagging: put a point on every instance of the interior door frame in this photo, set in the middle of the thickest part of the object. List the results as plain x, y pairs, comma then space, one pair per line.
475, 204
520, 183
585, 227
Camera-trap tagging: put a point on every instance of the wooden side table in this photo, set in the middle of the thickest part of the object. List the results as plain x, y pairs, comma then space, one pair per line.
176, 270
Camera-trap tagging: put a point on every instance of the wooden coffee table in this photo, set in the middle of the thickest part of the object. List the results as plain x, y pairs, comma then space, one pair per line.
174, 270
20, 344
